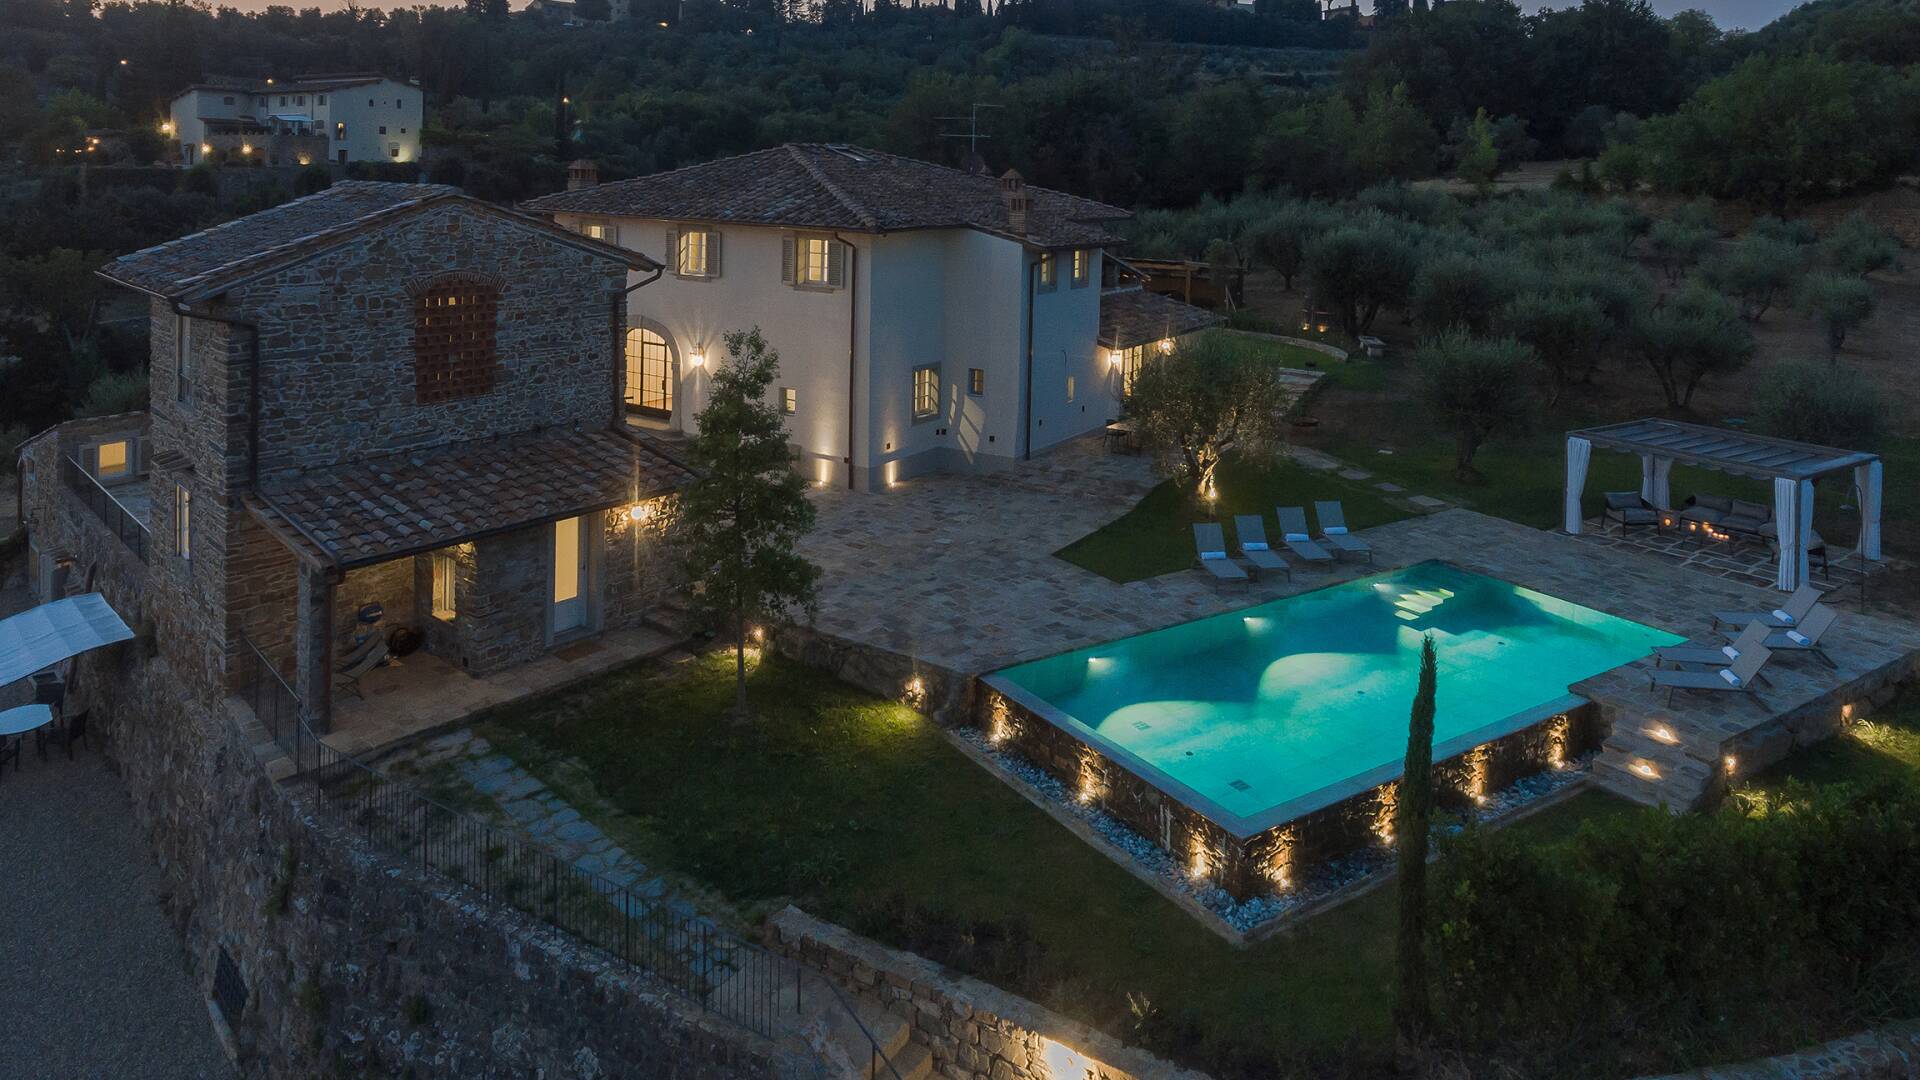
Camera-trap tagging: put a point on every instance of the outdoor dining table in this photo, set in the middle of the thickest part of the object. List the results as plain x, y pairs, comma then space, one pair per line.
24, 719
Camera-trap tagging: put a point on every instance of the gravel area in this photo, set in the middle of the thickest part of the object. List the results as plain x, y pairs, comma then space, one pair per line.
92, 980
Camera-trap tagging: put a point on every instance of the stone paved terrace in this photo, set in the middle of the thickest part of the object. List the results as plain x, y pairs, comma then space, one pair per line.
1744, 560
957, 572
422, 692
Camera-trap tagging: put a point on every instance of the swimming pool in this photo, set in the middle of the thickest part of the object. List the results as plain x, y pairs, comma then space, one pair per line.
1257, 717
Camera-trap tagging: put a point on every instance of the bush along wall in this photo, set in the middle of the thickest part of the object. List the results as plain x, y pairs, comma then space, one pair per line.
1673, 938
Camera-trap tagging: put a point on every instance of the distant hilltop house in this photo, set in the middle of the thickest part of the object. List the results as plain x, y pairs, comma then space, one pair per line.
382, 405
928, 319
302, 121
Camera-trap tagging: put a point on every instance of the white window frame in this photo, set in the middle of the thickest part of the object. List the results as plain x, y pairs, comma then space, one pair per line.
1129, 362
1049, 272
926, 395
445, 572
600, 230
805, 269
976, 381
182, 355
789, 400
1072, 386
689, 243
183, 521
1082, 267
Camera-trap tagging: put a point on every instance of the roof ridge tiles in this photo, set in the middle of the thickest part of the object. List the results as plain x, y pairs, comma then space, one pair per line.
854, 206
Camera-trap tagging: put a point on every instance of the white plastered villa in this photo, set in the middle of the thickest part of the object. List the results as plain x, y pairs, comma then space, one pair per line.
928, 319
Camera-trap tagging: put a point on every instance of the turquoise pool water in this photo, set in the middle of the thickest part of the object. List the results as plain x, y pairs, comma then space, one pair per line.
1273, 711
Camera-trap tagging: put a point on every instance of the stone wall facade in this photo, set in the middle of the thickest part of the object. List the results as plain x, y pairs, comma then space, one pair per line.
975, 1031
1276, 857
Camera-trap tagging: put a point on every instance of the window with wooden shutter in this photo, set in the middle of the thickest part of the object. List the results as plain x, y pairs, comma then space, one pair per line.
453, 340
818, 262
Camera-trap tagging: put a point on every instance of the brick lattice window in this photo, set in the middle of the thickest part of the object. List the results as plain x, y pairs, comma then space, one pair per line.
453, 340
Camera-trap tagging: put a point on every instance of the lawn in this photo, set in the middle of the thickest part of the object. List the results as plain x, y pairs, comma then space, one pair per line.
1155, 537
859, 811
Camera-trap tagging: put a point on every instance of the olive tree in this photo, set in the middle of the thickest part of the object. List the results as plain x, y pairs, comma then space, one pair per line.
1193, 405
1457, 289
1857, 247
1816, 403
1754, 271
1476, 387
1839, 304
1564, 330
1693, 335
1356, 270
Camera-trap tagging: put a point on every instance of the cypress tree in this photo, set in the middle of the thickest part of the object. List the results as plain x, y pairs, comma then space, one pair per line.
1411, 823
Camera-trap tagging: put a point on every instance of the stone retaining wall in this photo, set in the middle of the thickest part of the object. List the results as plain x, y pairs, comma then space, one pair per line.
974, 1031
1276, 857
1887, 1053
944, 695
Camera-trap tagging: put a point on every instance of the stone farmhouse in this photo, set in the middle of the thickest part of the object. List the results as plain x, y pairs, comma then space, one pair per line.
303, 121
928, 319
382, 394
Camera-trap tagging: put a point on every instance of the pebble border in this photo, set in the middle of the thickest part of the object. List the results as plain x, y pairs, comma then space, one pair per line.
1349, 874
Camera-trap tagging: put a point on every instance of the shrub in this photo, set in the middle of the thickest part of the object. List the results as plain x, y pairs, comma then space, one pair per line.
1477, 388
1652, 927
1817, 403
1858, 247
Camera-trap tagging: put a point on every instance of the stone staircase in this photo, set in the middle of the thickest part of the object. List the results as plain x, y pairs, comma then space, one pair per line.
823, 1028
1654, 761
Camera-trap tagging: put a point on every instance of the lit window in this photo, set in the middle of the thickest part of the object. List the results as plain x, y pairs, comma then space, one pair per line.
182, 350
453, 341
443, 566
1049, 270
1082, 266
339, 133
1070, 389
1129, 364
693, 253
976, 381
112, 462
649, 372
183, 521
816, 257
789, 400
926, 392
598, 232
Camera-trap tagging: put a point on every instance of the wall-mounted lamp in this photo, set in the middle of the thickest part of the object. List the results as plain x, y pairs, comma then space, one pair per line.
639, 512
696, 357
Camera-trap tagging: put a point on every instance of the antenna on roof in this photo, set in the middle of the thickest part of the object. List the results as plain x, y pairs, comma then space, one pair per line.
975, 163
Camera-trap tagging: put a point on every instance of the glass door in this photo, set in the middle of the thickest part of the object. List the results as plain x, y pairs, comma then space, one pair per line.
569, 576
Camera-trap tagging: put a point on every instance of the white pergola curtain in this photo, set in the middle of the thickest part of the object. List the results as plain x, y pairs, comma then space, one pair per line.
1655, 483
1868, 478
1793, 523
1579, 452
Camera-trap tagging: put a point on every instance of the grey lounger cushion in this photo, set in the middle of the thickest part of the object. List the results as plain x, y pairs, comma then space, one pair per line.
1210, 543
1293, 532
1714, 655
1253, 544
1738, 677
1333, 529
1786, 615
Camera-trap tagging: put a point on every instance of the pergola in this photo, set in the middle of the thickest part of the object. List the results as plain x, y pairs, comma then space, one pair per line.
1792, 466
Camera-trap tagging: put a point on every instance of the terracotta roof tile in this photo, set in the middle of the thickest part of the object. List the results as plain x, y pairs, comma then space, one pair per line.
832, 186
1134, 316
385, 507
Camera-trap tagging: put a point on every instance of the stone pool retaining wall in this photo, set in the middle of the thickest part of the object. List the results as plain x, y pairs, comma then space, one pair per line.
1278, 856
944, 695
974, 1031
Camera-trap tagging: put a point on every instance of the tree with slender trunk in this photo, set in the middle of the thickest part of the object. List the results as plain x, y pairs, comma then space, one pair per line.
1202, 399
1411, 824
1478, 387
738, 526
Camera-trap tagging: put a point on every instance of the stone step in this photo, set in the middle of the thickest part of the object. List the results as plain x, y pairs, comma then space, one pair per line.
914, 1062
1676, 789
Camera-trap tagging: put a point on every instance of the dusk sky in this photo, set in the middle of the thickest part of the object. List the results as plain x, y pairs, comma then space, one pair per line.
1730, 14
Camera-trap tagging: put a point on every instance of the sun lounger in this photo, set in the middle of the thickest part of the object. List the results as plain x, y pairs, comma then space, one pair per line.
1784, 617
1293, 532
1738, 677
349, 678
1210, 543
1253, 545
1333, 530
1805, 636
1714, 655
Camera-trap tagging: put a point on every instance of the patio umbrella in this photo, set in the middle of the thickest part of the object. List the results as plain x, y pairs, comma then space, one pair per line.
41, 637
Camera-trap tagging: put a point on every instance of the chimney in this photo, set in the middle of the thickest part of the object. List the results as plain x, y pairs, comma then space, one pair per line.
582, 174
1014, 190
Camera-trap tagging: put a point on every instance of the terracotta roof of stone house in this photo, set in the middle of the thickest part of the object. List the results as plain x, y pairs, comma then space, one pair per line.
212, 260
404, 504
833, 186
1133, 316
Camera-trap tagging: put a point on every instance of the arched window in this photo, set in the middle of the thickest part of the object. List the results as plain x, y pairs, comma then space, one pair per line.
649, 373
453, 339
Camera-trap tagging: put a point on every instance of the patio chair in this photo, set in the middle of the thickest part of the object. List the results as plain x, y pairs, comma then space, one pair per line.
1712, 655
63, 732
1252, 531
1784, 617
1333, 530
1293, 532
372, 658
1630, 510
1738, 677
1210, 544
9, 751
1805, 637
